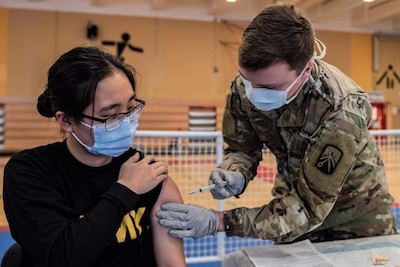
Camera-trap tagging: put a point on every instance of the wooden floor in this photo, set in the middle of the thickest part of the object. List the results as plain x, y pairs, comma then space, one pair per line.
258, 192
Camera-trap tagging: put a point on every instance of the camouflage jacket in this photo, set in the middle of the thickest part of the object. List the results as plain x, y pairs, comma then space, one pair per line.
329, 169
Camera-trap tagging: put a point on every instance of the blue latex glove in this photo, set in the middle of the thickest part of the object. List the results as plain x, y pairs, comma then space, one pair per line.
186, 220
233, 187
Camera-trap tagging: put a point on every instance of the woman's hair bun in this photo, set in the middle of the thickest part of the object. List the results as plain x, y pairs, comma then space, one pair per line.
44, 106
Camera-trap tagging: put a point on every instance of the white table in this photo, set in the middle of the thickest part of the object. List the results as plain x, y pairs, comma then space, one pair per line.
359, 252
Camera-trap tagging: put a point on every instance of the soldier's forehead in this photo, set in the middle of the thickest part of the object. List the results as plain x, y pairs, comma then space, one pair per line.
275, 74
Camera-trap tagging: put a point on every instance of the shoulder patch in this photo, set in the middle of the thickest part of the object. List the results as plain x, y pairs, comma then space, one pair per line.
329, 159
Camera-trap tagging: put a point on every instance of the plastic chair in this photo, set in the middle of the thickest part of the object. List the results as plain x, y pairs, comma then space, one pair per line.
12, 257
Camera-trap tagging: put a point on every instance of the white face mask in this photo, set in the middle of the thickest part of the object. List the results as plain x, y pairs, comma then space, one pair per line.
267, 99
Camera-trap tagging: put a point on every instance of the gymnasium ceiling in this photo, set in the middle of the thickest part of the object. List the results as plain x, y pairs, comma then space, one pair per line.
379, 16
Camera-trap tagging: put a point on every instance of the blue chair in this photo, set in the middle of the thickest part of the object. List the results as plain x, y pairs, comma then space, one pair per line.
12, 257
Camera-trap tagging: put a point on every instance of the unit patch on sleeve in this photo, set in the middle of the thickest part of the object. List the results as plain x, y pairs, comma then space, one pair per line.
329, 159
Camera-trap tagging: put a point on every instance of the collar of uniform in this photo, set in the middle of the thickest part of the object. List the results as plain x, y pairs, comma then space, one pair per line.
295, 113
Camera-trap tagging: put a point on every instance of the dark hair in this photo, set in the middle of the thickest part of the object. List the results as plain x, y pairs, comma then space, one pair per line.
73, 78
277, 34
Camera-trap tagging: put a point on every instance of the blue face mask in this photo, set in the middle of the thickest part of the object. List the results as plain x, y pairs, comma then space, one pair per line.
267, 99
111, 143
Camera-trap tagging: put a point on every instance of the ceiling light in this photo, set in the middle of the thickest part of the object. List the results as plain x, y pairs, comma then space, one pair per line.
231, 1
368, 1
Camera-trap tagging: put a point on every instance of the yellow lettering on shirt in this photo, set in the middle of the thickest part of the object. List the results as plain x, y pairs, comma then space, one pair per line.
130, 224
138, 217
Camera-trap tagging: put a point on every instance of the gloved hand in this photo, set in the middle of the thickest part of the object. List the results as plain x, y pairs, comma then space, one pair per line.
234, 186
188, 220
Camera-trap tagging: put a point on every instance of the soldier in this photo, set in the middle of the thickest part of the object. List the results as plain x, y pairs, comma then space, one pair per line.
330, 182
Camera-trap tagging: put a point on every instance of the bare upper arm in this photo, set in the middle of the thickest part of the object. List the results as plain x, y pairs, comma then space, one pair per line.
167, 249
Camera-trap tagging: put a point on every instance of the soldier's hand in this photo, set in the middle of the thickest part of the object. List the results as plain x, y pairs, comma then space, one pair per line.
232, 187
188, 220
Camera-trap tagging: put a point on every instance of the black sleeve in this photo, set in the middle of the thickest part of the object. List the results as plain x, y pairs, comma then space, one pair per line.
49, 231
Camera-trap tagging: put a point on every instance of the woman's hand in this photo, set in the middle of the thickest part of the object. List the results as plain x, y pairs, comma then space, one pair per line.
142, 176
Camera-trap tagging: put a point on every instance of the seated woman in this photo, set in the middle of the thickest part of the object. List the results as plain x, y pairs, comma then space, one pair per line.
91, 199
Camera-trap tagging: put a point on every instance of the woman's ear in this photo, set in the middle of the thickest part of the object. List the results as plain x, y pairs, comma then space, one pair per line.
64, 121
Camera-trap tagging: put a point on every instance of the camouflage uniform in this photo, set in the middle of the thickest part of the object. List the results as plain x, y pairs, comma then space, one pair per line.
330, 182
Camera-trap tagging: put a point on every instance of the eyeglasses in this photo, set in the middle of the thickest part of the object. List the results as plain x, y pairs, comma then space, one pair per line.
113, 122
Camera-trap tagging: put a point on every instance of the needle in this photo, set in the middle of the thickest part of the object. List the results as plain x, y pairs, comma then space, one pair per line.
205, 188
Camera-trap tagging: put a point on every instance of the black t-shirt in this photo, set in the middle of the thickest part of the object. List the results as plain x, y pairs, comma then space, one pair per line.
65, 213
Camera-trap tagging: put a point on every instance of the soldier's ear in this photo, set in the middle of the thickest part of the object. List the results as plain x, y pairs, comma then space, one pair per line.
309, 66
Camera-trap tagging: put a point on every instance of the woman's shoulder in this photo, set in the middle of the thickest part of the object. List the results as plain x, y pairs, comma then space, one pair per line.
170, 191
31, 165
49, 149
37, 158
